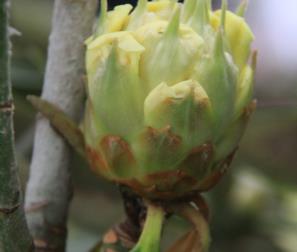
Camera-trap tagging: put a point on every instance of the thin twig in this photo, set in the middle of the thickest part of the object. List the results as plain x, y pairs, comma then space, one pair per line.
14, 234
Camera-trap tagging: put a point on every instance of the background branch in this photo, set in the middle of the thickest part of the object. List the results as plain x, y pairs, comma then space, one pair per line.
14, 235
49, 191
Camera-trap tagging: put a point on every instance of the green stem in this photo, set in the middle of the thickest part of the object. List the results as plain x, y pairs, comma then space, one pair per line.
150, 238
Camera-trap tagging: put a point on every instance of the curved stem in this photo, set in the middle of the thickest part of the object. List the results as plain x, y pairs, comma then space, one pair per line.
198, 220
150, 238
202, 205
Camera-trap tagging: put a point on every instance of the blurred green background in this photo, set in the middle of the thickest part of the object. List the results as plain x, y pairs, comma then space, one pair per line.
254, 208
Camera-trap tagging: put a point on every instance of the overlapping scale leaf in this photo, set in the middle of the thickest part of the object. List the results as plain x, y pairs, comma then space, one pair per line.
197, 15
171, 51
185, 107
229, 140
217, 74
113, 82
245, 88
238, 34
157, 150
115, 20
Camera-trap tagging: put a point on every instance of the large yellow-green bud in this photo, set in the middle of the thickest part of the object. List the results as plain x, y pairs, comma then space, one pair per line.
169, 94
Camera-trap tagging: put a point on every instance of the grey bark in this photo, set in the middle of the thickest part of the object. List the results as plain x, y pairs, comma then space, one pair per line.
12, 218
48, 191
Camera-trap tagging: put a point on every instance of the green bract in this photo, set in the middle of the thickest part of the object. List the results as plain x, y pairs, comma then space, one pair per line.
169, 95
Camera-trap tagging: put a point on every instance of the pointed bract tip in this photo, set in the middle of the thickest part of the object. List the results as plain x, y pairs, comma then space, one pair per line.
103, 7
207, 11
223, 15
102, 18
204, 4
188, 8
209, 5
141, 4
219, 43
173, 26
137, 13
241, 9
200, 18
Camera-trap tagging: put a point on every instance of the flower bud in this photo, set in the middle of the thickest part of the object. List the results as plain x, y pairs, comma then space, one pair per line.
169, 94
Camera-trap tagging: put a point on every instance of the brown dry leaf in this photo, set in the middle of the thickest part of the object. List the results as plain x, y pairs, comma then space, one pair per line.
61, 122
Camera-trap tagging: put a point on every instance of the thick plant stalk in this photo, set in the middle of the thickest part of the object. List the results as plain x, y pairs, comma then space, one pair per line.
48, 191
150, 238
14, 234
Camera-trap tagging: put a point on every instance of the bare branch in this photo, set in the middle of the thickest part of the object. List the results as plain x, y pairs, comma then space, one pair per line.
12, 218
48, 190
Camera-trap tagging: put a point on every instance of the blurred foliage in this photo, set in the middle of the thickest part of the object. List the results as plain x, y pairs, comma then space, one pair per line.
254, 208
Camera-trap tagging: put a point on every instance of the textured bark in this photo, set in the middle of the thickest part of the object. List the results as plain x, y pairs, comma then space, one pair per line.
12, 218
49, 191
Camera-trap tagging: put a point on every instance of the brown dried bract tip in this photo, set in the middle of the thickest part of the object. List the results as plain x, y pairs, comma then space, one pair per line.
117, 154
110, 237
97, 162
61, 122
199, 158
169, 138
221, 168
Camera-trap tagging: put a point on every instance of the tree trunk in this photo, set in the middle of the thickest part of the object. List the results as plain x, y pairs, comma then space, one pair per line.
14, 234
49, 191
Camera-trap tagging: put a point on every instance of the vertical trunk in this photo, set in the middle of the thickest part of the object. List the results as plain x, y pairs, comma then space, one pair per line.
49, 191
14, 235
